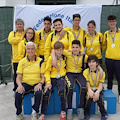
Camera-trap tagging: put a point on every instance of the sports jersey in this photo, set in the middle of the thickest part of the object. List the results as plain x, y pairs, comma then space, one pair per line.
52, 38
40, 37
30, 70
112, 49
74, 63
94, 44
52, 72
80, 33
89, 79
14, 38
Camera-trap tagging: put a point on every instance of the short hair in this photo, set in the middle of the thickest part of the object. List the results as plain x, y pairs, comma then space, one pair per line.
30, 43
111, 17
24, 35
76, 15
57, 19
19, 20
48, 19
77, 42
92, 57
92, 22
58, 45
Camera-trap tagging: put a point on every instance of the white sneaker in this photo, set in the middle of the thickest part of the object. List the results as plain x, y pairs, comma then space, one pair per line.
19, 117
119, 99
34, 116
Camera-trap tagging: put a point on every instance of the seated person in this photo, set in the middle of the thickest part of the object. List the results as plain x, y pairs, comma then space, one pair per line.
55, 76
29, 78
94, 87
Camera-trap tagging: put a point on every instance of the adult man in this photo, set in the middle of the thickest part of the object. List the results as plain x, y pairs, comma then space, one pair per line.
79, 33
29, 78
14, 38
55, 36
112, 46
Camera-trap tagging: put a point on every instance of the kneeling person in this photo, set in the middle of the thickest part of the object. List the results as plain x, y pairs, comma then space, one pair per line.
94, 86
55, 76
29, 78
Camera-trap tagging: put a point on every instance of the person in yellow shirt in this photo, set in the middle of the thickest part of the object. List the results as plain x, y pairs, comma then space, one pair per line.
55, 36
94, 87
93, 41
55, 76
29, 35
112, 54
14, 38
78, 32
30, 77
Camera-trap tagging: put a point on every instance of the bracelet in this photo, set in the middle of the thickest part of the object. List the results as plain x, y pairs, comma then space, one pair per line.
40, 83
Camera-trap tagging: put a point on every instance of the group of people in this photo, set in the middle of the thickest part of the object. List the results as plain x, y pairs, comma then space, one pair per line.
58, 56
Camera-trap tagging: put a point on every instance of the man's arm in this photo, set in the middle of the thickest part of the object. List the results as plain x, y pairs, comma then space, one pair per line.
20, 88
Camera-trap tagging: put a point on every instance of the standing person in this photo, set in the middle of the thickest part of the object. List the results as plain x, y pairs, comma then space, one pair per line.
41, 36
78, 32
29, 35
14, 38
55, 76
112, 54
94, 87
93, 41
55, 36
30, 77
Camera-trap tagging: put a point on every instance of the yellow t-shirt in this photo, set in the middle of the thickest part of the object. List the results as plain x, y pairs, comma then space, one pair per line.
88, 78
52, 72
112, 52
96, 43
30, 70
70, 64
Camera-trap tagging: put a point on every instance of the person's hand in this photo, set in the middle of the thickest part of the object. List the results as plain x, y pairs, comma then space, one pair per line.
82, 53
69, 50
61, 34
96, 96
48, 86
20, 89
90, 93
38, 87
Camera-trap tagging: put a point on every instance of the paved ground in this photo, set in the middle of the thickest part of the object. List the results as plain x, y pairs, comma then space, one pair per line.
7, 109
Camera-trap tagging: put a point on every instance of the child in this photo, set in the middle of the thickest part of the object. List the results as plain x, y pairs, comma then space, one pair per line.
94, 86
55, 76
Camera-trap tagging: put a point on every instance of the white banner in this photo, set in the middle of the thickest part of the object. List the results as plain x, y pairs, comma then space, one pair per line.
33, 15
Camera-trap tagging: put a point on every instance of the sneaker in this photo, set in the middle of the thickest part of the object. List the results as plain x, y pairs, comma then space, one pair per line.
34, 116
69, 114
42, 117
87, 117
63, 116
119, 99
19, 117
80, 112
104, 117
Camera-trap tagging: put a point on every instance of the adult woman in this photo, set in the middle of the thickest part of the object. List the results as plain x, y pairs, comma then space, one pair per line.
94, 41
29, 35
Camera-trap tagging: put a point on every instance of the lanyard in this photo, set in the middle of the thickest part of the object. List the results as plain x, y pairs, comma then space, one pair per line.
57, 37
58, 66
92, 39
76, 37
94, 81
75, 61
113, 38
44, 35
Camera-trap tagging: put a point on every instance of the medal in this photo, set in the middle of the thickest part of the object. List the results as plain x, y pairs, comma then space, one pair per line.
91, 49
58, 76
94, 89
113, 45
76, 72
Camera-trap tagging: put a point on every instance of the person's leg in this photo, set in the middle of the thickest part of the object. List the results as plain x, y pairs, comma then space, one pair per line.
110, 72
19, 97
15, 75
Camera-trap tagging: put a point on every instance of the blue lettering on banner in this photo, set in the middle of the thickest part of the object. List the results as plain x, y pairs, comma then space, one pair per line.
52, 15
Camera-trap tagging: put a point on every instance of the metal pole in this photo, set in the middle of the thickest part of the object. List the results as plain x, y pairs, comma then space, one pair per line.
116, 2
